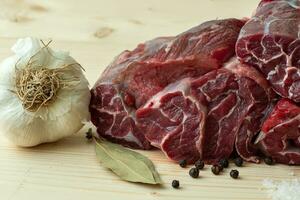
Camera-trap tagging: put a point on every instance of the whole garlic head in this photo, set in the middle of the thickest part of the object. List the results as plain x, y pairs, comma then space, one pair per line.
44, 95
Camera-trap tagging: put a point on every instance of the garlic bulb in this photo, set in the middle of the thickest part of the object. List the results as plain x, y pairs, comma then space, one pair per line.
44, 95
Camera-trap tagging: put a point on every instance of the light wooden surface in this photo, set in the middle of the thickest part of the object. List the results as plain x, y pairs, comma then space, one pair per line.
94, 32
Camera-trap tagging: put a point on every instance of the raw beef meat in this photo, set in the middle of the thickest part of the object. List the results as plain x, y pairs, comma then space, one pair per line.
259, 103
135, 76
280, 135
219, 92
209, 91
270, 41
172, 120
207, 116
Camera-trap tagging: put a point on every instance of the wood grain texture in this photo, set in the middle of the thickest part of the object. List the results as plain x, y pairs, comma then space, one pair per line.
95, 31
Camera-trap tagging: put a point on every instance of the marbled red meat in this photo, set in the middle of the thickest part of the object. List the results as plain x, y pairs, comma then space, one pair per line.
219, 92
280, 134
207, 117
193, 98
172, 121
135, 76
236, 107
270, 41
259, 103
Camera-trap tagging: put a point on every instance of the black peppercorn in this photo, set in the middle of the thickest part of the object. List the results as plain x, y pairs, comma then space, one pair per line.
221, 168
199, 164
182, 163
194, 172
224, 163
215, 169
175, 184
238, 161
234, 173
269, 161
89, 134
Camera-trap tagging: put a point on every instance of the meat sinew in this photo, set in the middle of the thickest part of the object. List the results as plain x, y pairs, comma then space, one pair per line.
135, 76
270, 41
280, 135
206, 117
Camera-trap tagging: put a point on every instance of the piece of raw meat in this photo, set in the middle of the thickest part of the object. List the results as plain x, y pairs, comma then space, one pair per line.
236, 106
219, 92
135, 76
206, 117
172, 120
259, 103
280, 134
270, 41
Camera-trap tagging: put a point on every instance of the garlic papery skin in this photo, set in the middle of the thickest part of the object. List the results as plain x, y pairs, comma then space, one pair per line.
44, 95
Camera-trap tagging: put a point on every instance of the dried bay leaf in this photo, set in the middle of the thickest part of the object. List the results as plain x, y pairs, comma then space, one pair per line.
127, 164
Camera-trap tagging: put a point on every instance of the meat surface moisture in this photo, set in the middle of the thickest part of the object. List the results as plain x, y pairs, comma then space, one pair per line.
270, 41
221, 87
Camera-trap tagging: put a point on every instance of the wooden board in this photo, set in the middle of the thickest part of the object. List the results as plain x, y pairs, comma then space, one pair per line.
94, 32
